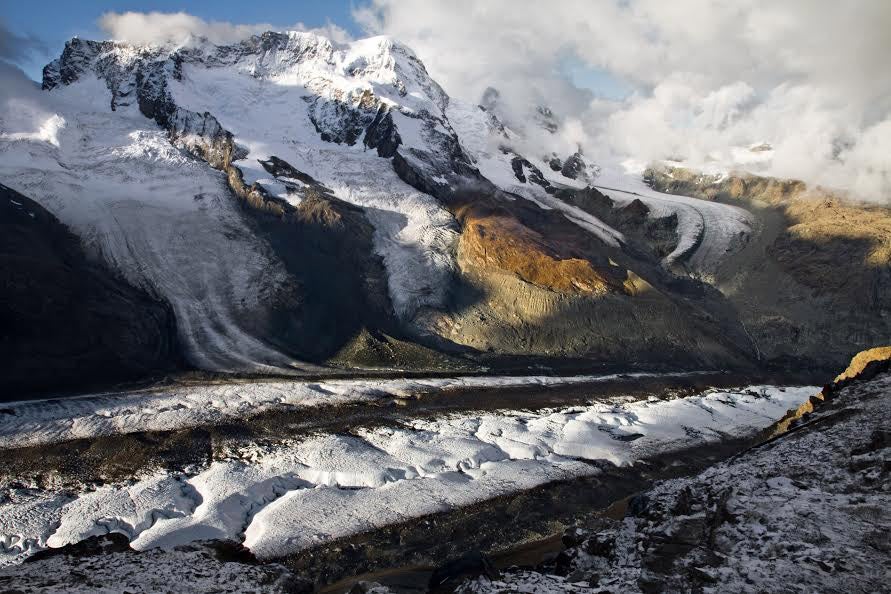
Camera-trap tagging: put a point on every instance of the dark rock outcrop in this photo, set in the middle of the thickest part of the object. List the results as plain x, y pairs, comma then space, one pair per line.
657, 235
382, 134
574, 167
525, 171
66, 322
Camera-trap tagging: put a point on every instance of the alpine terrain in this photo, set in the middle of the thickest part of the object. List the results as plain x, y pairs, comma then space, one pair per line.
280, 314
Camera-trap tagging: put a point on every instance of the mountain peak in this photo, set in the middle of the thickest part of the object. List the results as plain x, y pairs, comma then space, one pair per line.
380, 64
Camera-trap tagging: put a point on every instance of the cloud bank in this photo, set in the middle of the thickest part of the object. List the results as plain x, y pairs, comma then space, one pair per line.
179, 27
709, 79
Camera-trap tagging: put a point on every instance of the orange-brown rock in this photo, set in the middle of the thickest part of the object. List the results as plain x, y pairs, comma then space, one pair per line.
736, 185
497, 240
830, 232
862, 361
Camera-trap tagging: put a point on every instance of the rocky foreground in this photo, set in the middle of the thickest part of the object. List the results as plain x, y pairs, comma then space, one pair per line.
806, 511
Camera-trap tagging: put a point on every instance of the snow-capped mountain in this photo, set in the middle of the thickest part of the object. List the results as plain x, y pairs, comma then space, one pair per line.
299, 202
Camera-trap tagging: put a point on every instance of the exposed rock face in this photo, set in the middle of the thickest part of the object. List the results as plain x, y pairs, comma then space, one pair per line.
533, 282
574, 167
322, 235
497, 240
866, 363
525, 171
657, 235
815, 283
382, 134
686, 182
67, 322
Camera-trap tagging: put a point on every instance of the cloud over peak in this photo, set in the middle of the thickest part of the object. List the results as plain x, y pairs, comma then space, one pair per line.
808, 76
178, 27
706, 79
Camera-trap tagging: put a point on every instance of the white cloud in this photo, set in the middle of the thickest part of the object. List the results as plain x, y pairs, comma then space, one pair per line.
178, 27
808, 76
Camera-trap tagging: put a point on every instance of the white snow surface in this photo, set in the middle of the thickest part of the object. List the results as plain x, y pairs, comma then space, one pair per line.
806, 512
284, 498
709, 231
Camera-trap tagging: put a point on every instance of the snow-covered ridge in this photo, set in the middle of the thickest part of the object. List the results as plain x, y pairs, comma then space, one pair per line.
364, 75
162, 219
290, 497
309, 102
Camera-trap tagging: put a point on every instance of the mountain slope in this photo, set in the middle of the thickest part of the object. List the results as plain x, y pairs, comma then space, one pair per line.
66, 319
816, 283
290, 197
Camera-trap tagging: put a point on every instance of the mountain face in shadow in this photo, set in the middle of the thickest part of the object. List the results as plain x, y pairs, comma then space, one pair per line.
68, 321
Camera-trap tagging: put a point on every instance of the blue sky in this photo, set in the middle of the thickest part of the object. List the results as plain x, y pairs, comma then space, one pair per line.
55, 21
